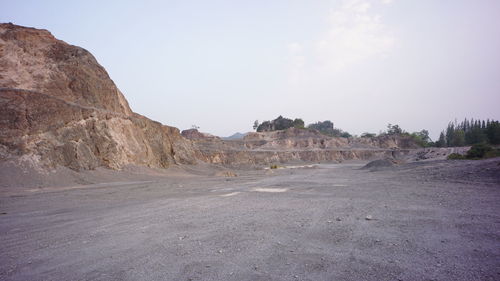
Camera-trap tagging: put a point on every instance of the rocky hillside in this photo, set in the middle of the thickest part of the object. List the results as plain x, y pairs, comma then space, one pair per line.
293, 145
59, 107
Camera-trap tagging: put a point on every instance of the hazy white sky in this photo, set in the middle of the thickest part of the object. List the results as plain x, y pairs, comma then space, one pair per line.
221, 64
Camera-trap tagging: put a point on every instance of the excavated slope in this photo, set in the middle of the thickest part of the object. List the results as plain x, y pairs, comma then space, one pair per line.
294, 145
59, 107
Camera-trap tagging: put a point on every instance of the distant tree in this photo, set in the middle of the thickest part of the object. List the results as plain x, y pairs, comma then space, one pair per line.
422, 138
475, 135
470, 132
298, 123
368, 135
265, 126
458, 138
282, 123
493, 132
394, 129
255, 124
195, 127
345, 135
326, 127
424, 134
442, 140
279, 123
450, 132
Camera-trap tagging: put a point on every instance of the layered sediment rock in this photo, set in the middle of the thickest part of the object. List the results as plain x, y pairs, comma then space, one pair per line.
293, 145
60, 107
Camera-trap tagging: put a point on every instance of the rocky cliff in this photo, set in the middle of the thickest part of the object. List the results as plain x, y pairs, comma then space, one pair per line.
294, 145
59, 107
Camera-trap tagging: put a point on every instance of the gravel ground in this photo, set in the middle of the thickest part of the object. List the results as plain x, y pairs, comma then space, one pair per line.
437, 220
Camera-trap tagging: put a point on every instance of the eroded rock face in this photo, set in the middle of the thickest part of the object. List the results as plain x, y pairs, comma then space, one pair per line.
194, 134
292, 145
60, 107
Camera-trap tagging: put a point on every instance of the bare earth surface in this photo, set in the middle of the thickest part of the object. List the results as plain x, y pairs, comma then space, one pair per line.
436, 220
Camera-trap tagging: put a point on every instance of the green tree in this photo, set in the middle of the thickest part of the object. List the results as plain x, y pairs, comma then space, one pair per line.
442, 140
422, 138
458, 138
450, 132
325, 127
470, 132
255, 124
265, 126
394, 129
345, 135
493, 132
298, 123
279, 123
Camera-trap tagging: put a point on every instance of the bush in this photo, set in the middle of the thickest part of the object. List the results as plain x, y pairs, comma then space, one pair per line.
456, 156
492, 154
274, 166
326, 128
479, 151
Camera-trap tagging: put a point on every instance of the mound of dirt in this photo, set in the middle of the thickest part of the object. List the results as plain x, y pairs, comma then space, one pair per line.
380, 164
227, 174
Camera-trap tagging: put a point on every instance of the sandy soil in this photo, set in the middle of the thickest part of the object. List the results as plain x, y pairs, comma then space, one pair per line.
437, 220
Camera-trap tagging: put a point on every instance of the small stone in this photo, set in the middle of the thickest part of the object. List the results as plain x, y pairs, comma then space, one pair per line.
219, 251
338, 219
369, 218
295, 276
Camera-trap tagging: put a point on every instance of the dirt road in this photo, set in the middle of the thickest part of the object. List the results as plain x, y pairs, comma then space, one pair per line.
423, 221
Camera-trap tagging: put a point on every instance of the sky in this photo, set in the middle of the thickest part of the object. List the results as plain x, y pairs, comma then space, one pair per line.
222, 64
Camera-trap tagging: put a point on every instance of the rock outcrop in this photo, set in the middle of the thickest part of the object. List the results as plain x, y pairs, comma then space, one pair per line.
295, 145
60, 107
194, 134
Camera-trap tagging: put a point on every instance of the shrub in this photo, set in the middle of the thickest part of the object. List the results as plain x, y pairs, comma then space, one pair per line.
492, 153
456, 156
274, 166
479, 151
326, 128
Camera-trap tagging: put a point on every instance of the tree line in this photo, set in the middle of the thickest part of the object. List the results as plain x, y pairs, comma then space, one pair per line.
470, 132
281, 123
467, 132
